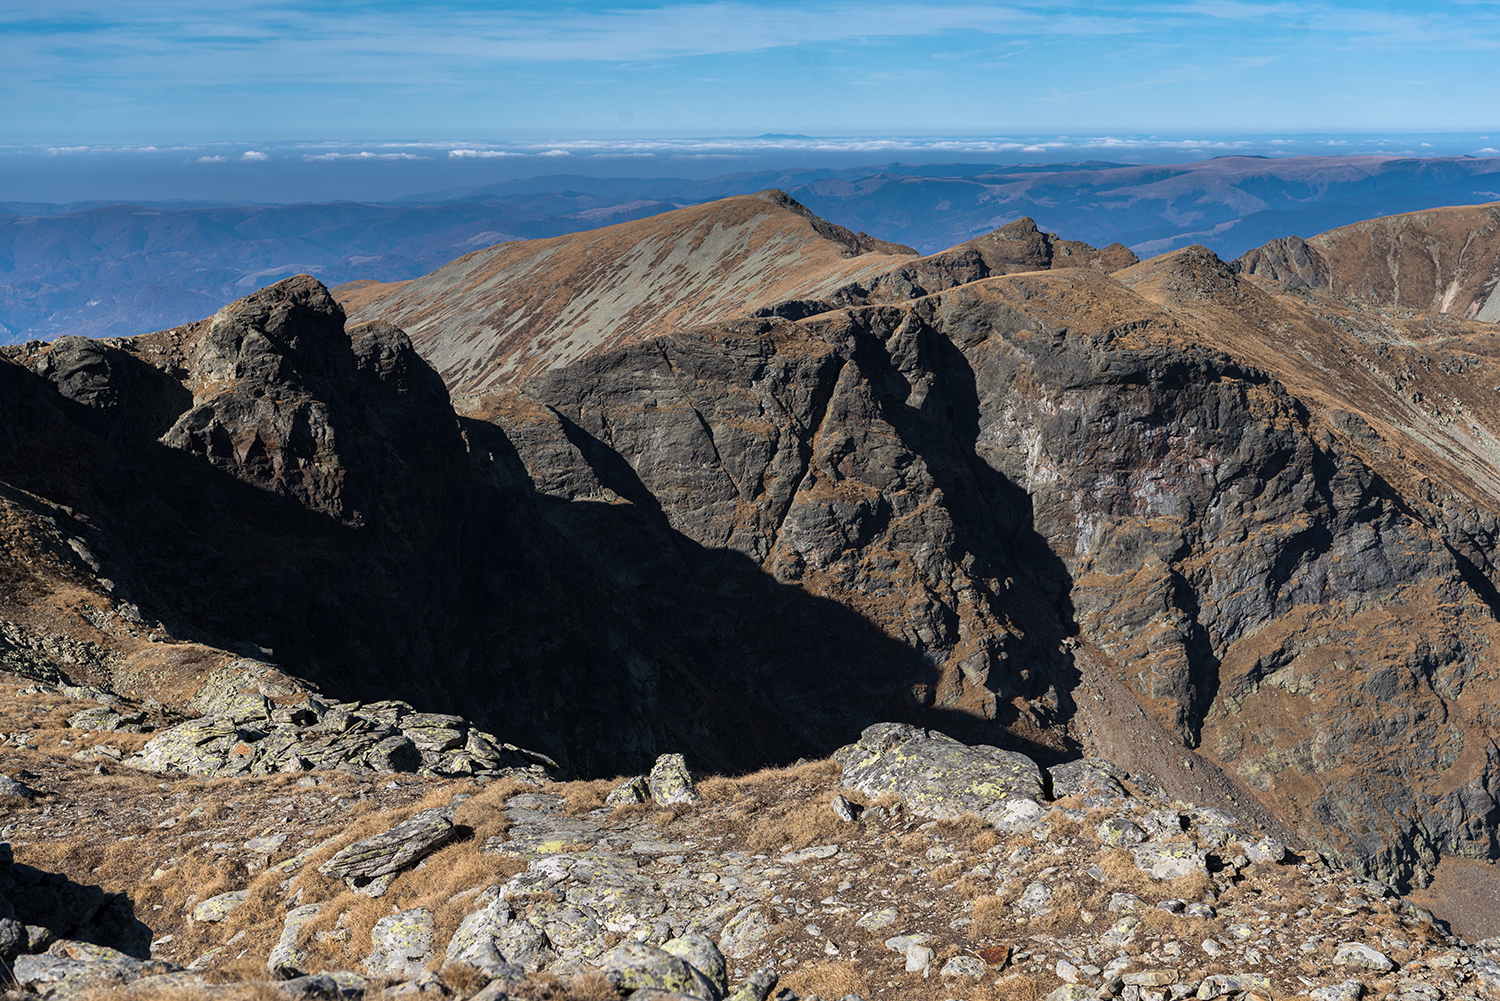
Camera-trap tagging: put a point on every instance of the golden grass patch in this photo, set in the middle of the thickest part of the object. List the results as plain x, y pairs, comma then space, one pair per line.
831, 979
1126, 877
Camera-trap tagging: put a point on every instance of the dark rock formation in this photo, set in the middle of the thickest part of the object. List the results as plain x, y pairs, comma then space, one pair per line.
1269, 513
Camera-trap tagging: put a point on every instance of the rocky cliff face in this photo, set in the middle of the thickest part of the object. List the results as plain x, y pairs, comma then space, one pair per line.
960, 501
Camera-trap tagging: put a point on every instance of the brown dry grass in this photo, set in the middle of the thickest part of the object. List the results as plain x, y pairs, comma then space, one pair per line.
992, 918
831, 979
547, 987
785, 808
1186, 928
1062, 910
484, 812
255, 991
582, 796
1124, 876
443, 882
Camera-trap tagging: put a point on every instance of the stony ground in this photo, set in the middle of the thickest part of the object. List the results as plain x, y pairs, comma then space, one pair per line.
890, 904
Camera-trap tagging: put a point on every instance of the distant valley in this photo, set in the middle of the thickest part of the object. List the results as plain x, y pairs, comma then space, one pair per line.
117, 270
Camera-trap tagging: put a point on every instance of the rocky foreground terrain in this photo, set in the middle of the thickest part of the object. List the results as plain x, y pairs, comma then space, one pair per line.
1224, 530
907, 866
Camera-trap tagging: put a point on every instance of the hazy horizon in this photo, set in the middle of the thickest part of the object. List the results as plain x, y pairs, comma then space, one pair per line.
380, 170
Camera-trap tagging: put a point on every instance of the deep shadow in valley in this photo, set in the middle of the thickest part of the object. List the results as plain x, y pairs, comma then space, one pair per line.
592, 631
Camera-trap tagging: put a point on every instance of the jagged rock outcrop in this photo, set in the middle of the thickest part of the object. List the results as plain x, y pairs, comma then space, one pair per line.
1015, 247
256, 737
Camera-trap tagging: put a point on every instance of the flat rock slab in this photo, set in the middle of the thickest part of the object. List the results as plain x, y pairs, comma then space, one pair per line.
1170, 861
391, 851
69, 966
939, 777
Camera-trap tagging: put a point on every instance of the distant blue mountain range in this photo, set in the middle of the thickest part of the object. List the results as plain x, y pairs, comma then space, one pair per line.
101, 269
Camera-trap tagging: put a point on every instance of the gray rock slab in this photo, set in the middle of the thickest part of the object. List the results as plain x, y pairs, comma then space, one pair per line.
939, 777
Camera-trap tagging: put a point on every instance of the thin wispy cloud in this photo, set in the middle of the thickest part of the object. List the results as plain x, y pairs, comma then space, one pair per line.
359, 68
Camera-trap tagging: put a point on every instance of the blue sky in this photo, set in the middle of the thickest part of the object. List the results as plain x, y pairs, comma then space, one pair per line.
75, 72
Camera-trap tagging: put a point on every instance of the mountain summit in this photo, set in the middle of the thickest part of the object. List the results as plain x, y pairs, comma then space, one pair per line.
517, 309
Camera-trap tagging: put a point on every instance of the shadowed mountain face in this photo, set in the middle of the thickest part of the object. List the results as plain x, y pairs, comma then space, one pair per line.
1267, 512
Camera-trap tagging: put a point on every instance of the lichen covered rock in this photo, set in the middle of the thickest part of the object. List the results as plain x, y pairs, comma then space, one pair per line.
939, 777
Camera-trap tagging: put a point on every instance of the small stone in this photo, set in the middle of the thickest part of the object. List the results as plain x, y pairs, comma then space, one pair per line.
1221, 984
918, 958
1067, 972
1124, 903
1170, 861
1348, 990
1122, 932
844, 809
1072, 992
218, 908
899, 944
10, 787
996, 957
1212, 947
757, 987
882, 918
266, 845
1035, 898
744, 934
1150, 978
1266, 850
1119, 832
1364, 957
964, 966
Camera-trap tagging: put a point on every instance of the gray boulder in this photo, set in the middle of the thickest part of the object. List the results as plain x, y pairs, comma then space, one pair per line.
671, 782
636, 966
704, 956
629, 792
400, 944
942, 778
287, 955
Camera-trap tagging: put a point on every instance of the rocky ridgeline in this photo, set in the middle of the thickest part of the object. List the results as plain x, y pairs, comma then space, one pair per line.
254, 736
1079, 884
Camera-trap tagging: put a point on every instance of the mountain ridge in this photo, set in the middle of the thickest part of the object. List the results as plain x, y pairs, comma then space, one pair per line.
1262, 517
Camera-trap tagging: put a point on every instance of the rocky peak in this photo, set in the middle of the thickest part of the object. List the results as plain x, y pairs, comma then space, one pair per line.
288, 333
518, 309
